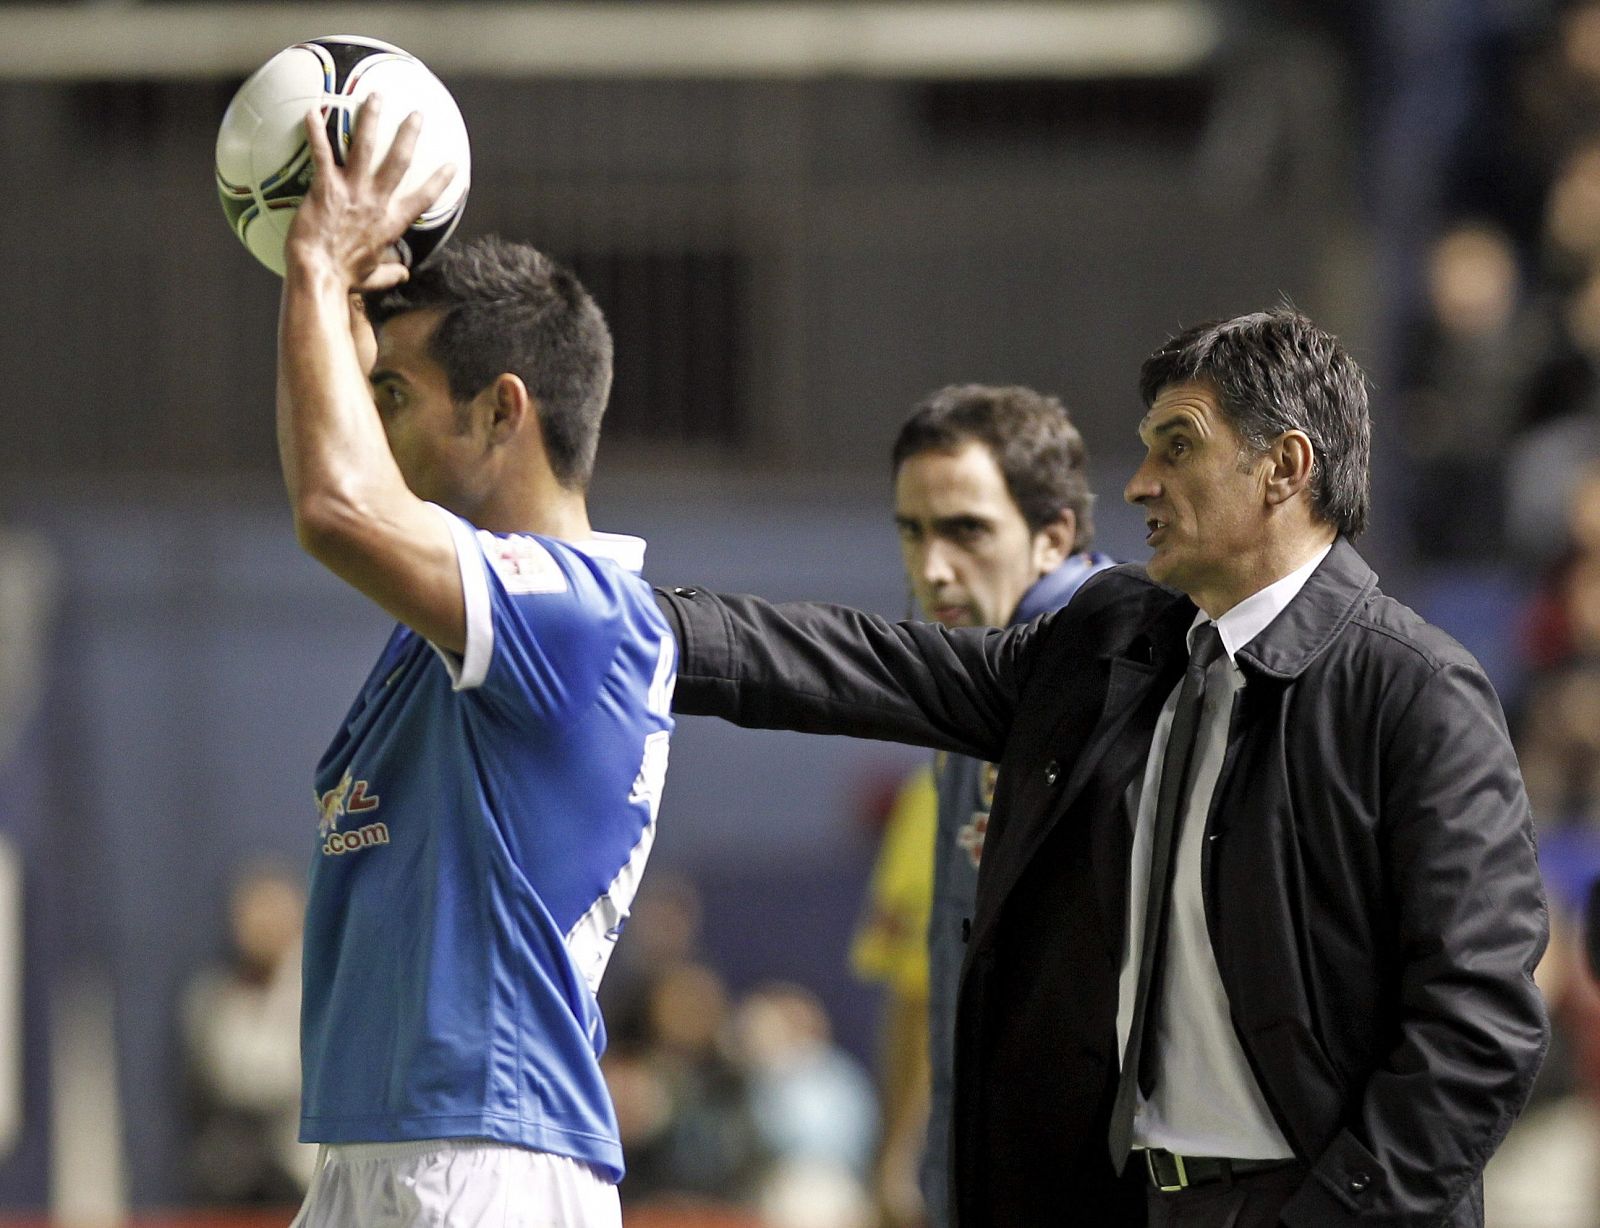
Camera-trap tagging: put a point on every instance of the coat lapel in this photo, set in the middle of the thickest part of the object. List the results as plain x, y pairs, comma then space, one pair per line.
1136, 679
1111, 816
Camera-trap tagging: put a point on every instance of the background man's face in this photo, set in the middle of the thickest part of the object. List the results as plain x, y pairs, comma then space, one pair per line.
969, 554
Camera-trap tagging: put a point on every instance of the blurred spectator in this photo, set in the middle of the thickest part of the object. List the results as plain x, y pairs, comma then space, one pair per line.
1572, 216
1499, 376
1460, 392
1547, 1174
1563, 622
814, 1108
1547, 465
1558, 739
1560, 746
811, 1101
754, 1107
1561, 404
682, 1101
663, 933
808, 1195
891, 949
1559, 91
28, 573
28, 578
1429, 92
242, 1040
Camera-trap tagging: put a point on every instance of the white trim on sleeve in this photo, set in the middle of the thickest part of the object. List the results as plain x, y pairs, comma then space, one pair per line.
470, 669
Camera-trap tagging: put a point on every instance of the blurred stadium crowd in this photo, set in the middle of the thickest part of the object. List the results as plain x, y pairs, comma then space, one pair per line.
735, 1109
1497, 393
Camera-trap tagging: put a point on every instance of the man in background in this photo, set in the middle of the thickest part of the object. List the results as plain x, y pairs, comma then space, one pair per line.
994, 513
242, 1046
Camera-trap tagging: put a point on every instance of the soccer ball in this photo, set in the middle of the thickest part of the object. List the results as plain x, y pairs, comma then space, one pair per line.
264, 164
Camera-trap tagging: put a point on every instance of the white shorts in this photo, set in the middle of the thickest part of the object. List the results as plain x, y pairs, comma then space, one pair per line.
455, 1183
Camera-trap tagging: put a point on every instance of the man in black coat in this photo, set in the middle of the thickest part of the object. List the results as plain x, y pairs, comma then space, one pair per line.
1302, 793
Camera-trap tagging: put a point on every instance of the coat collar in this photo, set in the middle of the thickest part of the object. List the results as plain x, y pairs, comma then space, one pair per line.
1292, 640
1322, 609
1055, 588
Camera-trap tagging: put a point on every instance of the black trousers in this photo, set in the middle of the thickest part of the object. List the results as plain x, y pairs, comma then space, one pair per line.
1250, 1201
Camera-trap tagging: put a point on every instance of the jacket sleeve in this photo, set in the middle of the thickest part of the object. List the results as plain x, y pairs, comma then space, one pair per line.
827, 669
1470, 926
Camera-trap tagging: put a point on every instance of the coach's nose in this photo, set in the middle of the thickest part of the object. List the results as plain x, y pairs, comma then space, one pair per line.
1142, 485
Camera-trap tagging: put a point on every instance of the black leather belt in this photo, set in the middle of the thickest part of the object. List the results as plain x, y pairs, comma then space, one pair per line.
1170, 1173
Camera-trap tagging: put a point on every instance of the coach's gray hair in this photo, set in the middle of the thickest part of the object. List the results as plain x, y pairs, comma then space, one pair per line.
1276, 371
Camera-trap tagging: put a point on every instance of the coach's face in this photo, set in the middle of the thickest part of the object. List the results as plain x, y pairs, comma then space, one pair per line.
1204, 496
437, 443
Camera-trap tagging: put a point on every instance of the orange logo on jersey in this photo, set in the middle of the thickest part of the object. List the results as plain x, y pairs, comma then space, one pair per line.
347, 797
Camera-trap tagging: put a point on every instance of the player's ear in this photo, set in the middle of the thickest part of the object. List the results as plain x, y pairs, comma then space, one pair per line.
510, 407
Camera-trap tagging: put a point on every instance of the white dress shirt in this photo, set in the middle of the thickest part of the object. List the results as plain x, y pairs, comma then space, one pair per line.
1206, 1101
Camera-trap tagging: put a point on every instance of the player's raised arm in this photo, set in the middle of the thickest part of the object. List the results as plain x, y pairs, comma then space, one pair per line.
354, 510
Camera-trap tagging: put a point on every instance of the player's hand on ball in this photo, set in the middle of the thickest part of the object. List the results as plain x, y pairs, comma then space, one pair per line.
353, 214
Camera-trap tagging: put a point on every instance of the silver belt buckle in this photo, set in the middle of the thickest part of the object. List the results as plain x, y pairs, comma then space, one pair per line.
1155, 1177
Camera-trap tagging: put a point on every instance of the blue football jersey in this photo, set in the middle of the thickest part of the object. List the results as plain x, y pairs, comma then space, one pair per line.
484, 821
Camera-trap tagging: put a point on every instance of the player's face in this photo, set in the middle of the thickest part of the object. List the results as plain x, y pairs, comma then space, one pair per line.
1203, 495
437, 443
969, 554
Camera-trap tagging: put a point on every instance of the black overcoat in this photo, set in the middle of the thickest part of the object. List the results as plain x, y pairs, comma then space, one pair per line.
1369, 876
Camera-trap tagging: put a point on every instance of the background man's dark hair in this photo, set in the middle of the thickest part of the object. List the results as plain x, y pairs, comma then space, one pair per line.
1038, 450
507, 307
1276, 371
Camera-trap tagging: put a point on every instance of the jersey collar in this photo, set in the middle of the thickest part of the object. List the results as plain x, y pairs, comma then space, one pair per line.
622, 549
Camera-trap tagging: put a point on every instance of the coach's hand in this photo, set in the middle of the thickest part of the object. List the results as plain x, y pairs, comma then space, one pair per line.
352, 215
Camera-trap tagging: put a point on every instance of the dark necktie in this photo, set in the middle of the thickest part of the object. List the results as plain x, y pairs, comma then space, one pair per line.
1138, 1061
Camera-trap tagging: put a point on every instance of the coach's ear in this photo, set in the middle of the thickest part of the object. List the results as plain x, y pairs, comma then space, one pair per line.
510, 407
1290, 462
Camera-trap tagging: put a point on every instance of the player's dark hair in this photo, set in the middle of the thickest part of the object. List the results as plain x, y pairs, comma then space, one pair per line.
1037, 448
510, 308
1276, 371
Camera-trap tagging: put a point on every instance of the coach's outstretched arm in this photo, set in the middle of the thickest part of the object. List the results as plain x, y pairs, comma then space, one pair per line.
352, 508
828, 669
